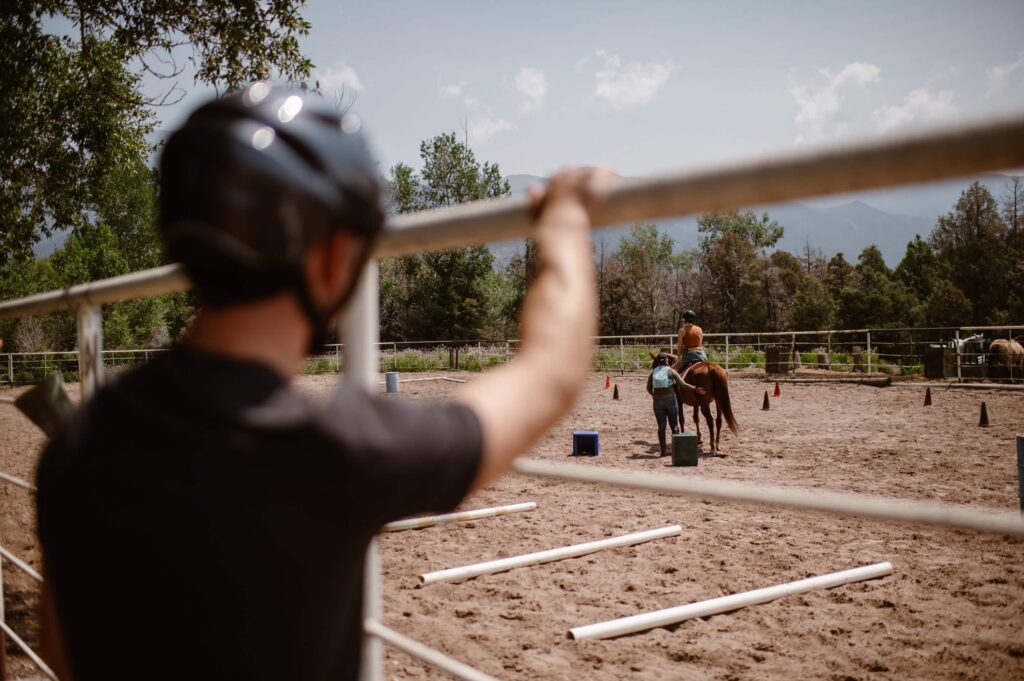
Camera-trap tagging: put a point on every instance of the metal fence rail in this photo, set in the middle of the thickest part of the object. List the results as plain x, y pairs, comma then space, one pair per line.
894, 351
969, 149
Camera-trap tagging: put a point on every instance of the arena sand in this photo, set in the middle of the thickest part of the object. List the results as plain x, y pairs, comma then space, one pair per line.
954, 609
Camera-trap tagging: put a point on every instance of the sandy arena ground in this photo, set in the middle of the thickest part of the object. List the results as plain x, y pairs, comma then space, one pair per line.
954, 609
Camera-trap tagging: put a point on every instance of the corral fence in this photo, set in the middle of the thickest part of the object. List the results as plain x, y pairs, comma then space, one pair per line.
962, 354
965, 150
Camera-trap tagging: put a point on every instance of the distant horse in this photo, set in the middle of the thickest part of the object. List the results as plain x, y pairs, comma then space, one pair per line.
1007, 353
715, 382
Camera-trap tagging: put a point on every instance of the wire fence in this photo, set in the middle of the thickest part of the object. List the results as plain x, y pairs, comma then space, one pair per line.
962, 353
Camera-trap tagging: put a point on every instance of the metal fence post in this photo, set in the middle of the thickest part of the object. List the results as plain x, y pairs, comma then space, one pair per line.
90, 350
726, 352
869, 350
622, 355
359, 331
1020, 471
959, 376
10, 367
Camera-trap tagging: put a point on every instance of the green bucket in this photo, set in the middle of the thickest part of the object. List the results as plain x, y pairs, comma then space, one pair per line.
684, 449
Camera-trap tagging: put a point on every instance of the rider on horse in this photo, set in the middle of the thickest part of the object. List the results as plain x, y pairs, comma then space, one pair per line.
690, 348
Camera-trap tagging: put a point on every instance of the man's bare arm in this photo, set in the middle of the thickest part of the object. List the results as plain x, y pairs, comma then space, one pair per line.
518, 402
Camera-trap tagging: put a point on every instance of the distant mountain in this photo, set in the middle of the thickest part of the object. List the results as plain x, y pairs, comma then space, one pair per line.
888, 218
847, 223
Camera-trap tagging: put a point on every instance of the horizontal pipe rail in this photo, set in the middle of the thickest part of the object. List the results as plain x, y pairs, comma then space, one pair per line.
43, 667
22, 565
17, 481
879, 508
992, 145
421, 652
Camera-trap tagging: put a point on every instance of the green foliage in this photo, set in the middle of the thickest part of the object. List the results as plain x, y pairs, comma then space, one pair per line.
735, 289
971, 243
639, 285
760, 232
451, 294
72, 107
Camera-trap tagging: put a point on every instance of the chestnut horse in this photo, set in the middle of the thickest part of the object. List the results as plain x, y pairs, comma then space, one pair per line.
715, 382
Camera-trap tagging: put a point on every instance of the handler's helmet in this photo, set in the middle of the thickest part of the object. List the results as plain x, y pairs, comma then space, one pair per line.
253, 180
689, 316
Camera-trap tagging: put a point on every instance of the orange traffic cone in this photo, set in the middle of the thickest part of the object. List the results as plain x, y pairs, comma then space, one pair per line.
615, 393
778, 393
983, 421
766, 405
607, 382
927, 397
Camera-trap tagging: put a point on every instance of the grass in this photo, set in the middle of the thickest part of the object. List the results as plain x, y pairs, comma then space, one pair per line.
607, 359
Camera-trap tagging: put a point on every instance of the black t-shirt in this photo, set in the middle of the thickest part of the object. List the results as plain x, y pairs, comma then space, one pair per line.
200, 519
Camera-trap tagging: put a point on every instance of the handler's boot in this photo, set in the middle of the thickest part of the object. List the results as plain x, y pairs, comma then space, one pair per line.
661, 441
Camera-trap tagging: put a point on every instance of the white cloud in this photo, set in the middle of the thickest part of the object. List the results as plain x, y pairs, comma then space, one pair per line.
832, 107
533, 87
919, 106
454, 90
483, 129
341, 76
627, 85
997, 78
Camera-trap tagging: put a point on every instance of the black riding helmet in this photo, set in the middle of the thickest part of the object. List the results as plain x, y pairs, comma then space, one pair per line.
252, 181
689, 316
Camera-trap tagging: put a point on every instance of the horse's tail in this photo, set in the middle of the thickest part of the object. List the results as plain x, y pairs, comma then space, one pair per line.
720, 388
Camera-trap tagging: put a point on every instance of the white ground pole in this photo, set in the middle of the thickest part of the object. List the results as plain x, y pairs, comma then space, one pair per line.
527, 559
359, 330
879, 508
464, 516
422, 652
715, 606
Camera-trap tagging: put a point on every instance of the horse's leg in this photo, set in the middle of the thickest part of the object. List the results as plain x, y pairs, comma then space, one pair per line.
718, 425
696, 423
682, 412
705, 408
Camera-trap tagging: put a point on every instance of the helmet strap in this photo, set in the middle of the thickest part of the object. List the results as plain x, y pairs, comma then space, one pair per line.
318, 318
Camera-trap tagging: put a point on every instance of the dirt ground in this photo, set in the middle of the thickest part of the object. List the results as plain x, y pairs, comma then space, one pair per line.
954, 609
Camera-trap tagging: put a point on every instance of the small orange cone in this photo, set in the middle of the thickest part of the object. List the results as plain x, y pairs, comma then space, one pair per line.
766, 405
983, 421
778, 393
607, 382
927, 397
615, 394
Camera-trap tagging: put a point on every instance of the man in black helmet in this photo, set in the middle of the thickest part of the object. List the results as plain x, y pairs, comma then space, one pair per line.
200, 517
